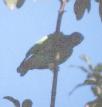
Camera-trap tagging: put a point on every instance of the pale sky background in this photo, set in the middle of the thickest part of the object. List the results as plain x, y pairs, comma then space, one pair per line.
20, 29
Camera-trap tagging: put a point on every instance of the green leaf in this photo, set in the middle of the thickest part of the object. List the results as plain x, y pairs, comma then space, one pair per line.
80, 6
96, 103
12, 4
85, 58
98, 67
81, 68
97, 90
27, 103
20, 3
13, 100
86, 82
100, 9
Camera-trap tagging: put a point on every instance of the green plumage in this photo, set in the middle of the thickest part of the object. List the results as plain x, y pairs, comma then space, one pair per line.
55, 50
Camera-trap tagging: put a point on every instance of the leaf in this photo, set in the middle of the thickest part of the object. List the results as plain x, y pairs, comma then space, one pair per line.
98, 67
80, 6
11, 4
81, 68
97, 1
27, 103
87, 60
86, 82
96, 103
97, 90
20, 3
100, 9
13, 100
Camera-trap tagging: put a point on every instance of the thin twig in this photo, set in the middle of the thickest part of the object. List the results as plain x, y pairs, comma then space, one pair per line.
60, 14
55, 72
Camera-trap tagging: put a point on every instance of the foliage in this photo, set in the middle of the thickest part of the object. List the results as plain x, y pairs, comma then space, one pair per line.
12, 4
94, 80
25, 103
80, 6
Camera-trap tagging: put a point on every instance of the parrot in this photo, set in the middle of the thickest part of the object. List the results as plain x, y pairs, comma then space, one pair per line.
12, 4
25, 103
50, 52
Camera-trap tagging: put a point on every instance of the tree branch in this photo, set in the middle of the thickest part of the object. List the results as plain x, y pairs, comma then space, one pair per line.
55, 71
60, 14
54, 87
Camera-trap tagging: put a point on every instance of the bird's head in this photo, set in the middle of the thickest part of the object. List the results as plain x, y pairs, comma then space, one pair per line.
75, 39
